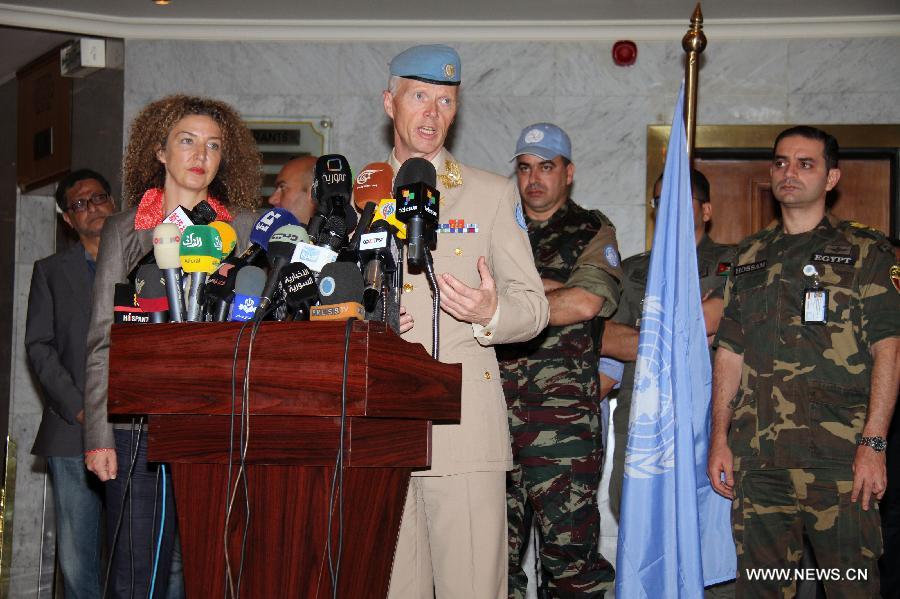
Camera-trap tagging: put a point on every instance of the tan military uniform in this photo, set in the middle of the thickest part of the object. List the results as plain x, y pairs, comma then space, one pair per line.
454, 523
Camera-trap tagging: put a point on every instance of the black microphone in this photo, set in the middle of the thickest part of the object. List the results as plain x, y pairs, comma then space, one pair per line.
202, 213
365, 221
417, 206
376, 257
281, 250
333, 234
150, 285
340, 293
125, 307
219, 291
298, 288
332, 187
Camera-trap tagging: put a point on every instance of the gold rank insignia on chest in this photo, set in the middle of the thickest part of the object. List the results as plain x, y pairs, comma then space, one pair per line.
453, 177
457, 226
895, 276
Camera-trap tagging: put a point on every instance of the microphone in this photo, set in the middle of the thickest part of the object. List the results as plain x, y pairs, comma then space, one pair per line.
150, 286
386, 210
340, 291
125, 308
166, 243
376, 256
180, 217
220, 285
281, 250
264, 228
331, 188
202, 213
220, 291
200, 253
333, 234
248, 287
373, 184
417, 206
313, 256
298, 288
228, 236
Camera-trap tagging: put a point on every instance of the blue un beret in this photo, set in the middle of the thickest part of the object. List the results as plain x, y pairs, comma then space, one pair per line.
433, 63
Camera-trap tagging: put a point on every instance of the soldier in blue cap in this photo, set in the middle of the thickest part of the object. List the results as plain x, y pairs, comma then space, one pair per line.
452, 541
550, 382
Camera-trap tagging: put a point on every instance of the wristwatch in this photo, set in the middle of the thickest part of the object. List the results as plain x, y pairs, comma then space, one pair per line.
878, 444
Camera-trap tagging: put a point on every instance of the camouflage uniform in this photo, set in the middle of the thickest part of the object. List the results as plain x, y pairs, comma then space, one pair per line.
803, 399
550, 385
713, 264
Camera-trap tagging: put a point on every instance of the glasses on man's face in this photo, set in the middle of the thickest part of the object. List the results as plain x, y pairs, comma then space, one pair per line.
98, 199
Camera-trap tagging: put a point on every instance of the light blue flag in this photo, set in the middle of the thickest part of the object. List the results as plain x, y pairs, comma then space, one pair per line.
674, 531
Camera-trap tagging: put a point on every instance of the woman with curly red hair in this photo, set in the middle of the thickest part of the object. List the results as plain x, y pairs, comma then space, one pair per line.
182, 150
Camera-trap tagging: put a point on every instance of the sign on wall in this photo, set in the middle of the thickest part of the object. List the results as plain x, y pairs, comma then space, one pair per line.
282, 139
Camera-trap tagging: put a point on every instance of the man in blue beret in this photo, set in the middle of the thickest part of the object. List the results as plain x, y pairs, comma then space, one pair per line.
551, 381
452, 541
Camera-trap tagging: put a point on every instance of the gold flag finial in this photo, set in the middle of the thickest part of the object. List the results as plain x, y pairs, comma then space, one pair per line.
693, 43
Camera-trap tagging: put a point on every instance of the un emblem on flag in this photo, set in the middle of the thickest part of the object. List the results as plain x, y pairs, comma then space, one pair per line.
651, 429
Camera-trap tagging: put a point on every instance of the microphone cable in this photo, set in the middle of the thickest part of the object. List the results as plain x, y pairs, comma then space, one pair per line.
243, 443
435, 305
162, 524
337, 478
229, 582
125, 493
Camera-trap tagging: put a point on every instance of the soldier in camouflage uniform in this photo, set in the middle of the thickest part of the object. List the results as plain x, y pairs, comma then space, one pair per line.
620, 336
806, 377
550, 382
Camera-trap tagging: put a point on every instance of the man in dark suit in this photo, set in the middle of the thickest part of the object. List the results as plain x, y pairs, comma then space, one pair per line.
59, 309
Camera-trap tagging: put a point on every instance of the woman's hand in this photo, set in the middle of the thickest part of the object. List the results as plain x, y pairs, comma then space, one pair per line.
103, 463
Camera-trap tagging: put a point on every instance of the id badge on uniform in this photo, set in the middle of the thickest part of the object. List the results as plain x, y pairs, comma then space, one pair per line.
815, 305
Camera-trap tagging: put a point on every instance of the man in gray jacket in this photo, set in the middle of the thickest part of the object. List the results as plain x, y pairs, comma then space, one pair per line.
59, 309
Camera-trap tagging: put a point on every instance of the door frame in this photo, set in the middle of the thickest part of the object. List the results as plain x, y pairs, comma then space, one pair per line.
741, 140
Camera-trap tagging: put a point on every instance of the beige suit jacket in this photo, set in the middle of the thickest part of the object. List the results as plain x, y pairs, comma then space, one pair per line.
121, 248
481, 441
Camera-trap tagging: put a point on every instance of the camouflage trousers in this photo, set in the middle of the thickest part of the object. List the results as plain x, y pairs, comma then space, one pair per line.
772, 510
557, 452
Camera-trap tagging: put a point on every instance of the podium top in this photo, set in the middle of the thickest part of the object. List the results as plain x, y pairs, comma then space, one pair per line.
296, 369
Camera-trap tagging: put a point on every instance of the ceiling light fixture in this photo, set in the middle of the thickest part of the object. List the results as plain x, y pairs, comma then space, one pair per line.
162, 2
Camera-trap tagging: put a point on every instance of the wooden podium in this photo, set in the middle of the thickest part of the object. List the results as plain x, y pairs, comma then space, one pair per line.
180, 376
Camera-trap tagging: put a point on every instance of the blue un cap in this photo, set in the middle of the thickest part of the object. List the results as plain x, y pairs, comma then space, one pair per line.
436, 64
544, 140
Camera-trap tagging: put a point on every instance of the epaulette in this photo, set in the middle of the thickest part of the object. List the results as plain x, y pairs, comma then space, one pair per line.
867, 232
597, 217
633, 262
864, 230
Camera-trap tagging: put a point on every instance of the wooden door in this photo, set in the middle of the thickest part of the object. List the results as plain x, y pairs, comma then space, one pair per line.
741, 195
742, 200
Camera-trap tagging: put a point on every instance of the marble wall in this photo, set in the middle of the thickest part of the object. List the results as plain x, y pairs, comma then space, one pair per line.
33, 234
508, 85
31, 573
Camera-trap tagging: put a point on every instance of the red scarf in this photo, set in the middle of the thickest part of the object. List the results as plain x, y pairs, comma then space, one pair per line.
150, 210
